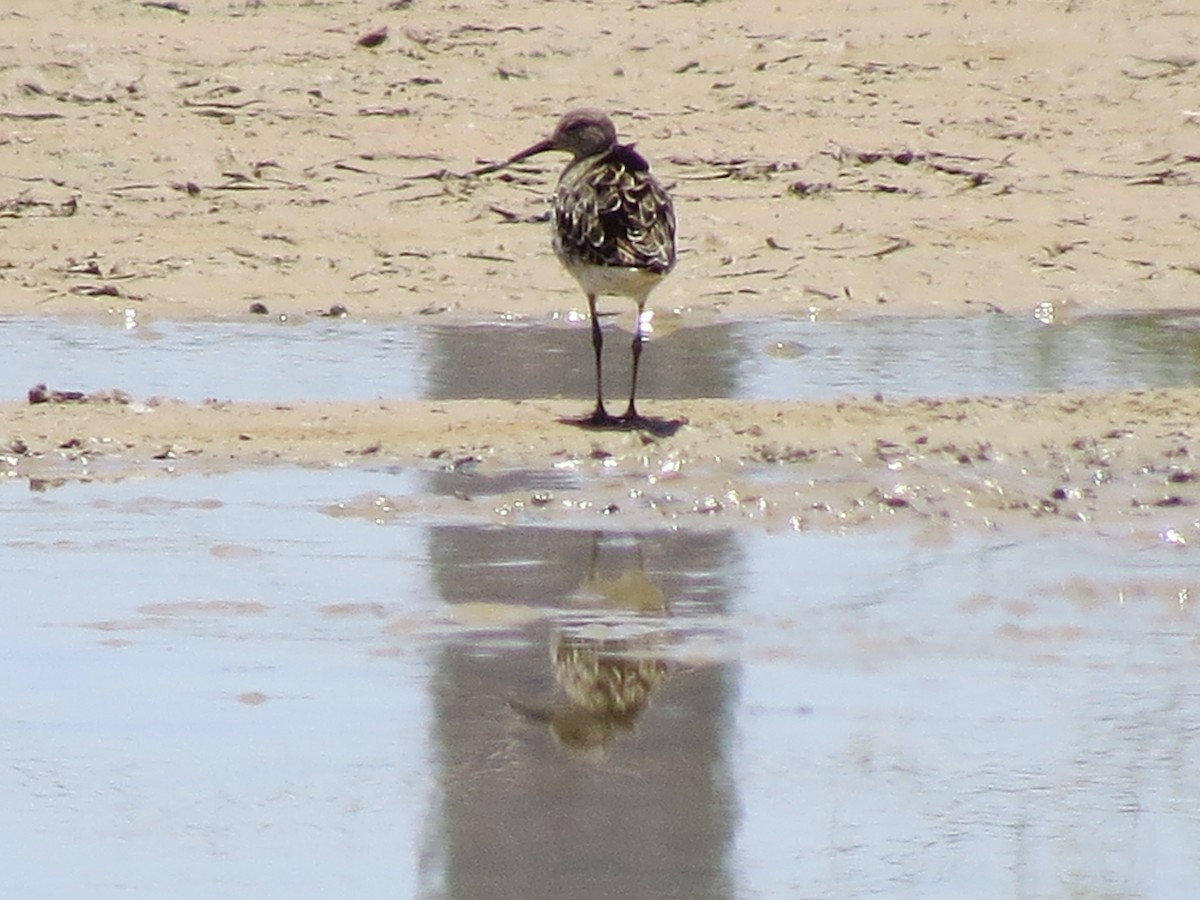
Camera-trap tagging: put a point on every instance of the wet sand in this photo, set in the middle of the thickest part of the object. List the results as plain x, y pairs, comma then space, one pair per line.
959, 160
983, 462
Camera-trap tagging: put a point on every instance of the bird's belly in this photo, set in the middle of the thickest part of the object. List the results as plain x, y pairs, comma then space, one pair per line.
623, 281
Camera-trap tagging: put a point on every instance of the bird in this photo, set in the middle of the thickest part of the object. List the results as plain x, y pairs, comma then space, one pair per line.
613, 231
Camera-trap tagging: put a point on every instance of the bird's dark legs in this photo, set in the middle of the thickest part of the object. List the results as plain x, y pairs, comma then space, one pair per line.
599, 415
631, 419
631, 413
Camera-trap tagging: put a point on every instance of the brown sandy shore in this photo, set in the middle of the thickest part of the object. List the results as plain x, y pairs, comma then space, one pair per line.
1102, 458
186, 161
842, 158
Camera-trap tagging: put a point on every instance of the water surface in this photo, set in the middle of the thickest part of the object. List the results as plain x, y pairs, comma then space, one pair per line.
778, 358
229, 685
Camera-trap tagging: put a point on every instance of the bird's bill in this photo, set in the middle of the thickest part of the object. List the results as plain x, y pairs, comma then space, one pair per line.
539, 147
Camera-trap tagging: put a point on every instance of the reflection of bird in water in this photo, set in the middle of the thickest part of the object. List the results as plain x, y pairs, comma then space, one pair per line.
614, 230
608, 682
608, 685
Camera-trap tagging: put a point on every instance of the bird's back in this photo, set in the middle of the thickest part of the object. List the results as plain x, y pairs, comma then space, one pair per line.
610, 211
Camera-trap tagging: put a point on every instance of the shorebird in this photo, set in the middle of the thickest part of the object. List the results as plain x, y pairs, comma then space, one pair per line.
614, 230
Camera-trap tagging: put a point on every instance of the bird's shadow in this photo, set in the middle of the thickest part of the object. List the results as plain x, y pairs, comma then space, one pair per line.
654, 425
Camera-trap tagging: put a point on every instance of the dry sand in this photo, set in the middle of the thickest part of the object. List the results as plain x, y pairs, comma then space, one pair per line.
844, 160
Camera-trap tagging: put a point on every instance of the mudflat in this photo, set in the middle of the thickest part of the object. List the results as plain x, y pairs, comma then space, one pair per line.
186, 161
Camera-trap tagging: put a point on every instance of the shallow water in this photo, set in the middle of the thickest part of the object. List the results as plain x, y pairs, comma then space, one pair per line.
240, 685
775, 359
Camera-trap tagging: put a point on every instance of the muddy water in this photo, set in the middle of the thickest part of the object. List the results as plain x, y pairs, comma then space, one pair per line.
776, 359
260, 684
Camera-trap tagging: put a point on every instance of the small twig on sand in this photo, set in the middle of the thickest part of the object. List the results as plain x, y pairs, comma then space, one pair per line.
168, 5
898, 244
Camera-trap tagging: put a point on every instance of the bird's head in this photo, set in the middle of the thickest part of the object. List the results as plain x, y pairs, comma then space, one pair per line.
583, 132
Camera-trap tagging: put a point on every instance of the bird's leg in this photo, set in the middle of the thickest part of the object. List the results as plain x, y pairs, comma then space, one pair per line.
599, 415
631, 413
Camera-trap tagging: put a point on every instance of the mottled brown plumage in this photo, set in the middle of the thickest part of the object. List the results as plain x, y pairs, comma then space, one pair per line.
610, 211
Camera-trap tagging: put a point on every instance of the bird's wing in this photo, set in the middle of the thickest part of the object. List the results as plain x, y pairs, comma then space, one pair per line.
611, 211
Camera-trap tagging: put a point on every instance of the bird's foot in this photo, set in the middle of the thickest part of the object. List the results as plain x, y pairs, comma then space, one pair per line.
601, 420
